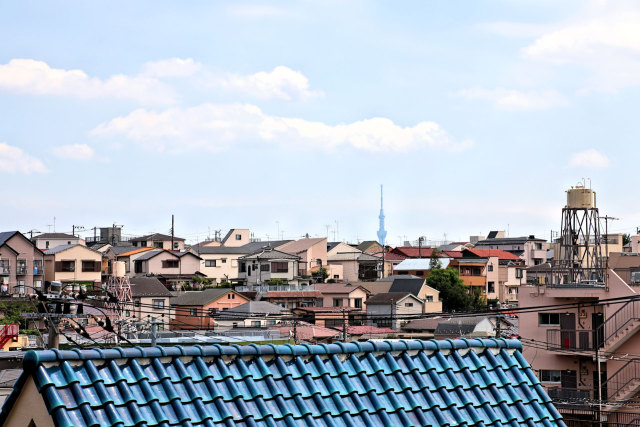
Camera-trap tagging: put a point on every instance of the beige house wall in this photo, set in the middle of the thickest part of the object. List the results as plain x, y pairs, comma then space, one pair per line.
223, 270
233, 242
145, 308
26, 252
348, 299
77, 254
46, 244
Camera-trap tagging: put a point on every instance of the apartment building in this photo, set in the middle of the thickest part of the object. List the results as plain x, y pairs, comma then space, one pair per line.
569, 347
531, 250
158, 240
219, 263
21, 264
74, 265
46, 241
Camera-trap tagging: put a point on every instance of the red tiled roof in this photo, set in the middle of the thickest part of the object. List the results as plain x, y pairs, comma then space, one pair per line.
391, 256
453, 254
294, 294
367, 330
308, 332
414, 252
485, 253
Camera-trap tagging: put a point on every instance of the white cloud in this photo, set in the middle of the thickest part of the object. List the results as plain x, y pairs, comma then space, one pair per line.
515, 100
172, 67
14, 160
589, 159
217, 127
604, 40
73, 152
38, 78
281, 83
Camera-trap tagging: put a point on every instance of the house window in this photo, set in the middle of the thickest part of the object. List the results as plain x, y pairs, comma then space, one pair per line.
210, 263
242, 267
176, 245
238, 236
491, 287
519, 273
46, 244
419, 273
549, 376
224, 260
318, 261
337, 302
357, 302
21, 267
137, 267
336, 276
157, 244
158, 304
143, 244
429, 298
539, 246
490, 268
170, 263
279, 267
37, 284
408, 304
255, 323
65, 266
548, 319
91, 266
193, 312
264, 267
137, 303
21, 284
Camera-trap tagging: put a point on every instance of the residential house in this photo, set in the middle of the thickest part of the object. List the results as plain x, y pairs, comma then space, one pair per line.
126, 254
267, 264
390, 261
331, 316
294, 299
529, 248
151, 300
418, 288
46, 241
158, 240
370, 247
21, 264
400, 383
366, 332
73, 265
313, 256
219, 263
252, 314
420, 267
378, 287
343, 295
197, 309
305, 332
423, 252
237, 237
172, 268
503, 271
468, 327
356, 266
393, 309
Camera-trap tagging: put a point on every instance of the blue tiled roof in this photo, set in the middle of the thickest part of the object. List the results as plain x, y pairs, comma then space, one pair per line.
402, 383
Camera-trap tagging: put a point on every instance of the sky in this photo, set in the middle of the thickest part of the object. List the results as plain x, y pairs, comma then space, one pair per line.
286, 117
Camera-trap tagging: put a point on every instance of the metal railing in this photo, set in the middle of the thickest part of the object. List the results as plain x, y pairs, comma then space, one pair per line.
571, 339
628, 373
274, 288
5, 270
569, 394
626, 314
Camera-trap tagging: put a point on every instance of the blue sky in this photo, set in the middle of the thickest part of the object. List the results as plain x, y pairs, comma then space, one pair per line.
475, 115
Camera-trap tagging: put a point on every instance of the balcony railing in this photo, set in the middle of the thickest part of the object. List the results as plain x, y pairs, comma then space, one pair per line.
569, 394
5, 270
21, 270
573, 339
274, 288
629, 373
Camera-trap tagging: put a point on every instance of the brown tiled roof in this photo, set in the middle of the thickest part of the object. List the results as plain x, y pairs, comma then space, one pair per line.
294, 294
338, 288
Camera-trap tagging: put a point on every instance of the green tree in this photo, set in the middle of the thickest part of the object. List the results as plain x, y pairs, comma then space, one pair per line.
454, 294
276, 282
12, 309
434, 262
626, 239
320, 275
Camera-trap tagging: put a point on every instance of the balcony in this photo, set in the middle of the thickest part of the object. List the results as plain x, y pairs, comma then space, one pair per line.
21, 270
5, 270
574, 342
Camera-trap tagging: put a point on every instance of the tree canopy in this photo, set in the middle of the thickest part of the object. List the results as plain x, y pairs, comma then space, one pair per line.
454, 294
434, 262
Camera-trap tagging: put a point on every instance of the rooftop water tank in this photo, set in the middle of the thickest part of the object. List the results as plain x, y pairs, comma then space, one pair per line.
579, 197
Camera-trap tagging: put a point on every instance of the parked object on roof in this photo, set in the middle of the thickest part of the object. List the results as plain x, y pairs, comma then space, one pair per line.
434, 383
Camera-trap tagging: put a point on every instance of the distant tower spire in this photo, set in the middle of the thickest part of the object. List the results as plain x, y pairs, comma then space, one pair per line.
382, 233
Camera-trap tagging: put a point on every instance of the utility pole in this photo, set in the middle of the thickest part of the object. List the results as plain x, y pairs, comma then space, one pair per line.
344, 324
95, 229
420, 239
498, 321
392, 307
172, 231
154, 332
54, 336
295, 332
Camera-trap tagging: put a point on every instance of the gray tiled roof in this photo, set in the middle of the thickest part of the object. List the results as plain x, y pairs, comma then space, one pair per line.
256, 246
148, 287
412, 286
267, 254
55, 236
199, 298
387, 298
156, 237
6, 235
209, 250
150, 254
257, 307
61, 248
122, 249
